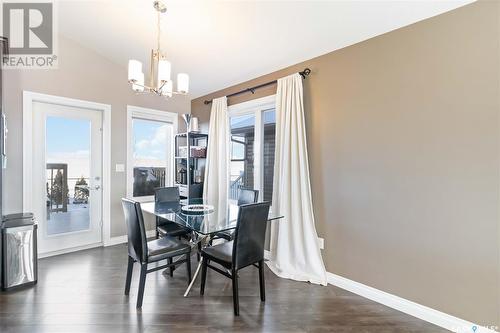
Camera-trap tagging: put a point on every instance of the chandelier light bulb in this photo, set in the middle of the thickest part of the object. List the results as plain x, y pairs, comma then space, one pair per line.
164, 69
169, 88
183, 83
139, 87
134, 70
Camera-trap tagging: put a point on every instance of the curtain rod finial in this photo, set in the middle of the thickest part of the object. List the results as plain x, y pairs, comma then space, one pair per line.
305, 73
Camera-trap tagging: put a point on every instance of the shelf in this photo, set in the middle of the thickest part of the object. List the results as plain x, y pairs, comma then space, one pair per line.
192, 135
184, 143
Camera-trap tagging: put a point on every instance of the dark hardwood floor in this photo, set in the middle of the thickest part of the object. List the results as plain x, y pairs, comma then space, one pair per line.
83, 292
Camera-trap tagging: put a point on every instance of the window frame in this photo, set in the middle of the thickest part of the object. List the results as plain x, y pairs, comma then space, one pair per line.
257, 108
244, 151
135, 112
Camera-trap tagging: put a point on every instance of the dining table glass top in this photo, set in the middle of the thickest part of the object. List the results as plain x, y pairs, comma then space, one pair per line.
205, 219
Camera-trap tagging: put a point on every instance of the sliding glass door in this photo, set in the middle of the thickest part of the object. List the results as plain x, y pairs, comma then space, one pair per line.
242, 154
253, 130
268, 147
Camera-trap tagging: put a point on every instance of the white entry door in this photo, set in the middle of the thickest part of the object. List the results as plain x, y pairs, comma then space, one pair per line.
67, 176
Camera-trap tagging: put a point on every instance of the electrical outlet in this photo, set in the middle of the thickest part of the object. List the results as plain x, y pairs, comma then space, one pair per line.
120, 168
321, 242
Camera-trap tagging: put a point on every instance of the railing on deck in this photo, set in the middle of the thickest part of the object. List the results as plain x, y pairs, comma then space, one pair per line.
234, 187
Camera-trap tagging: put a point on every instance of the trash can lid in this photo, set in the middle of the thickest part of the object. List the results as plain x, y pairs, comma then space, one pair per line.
17, 220
18, 216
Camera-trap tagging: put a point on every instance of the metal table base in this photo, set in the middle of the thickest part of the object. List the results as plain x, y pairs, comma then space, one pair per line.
195, 240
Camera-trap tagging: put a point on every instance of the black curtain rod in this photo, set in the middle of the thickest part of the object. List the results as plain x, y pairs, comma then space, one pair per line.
303, 73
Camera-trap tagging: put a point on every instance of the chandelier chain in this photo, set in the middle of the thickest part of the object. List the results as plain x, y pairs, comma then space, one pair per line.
159, 34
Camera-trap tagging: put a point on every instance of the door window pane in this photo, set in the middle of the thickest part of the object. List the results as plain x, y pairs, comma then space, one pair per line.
67, 174
237, 147
152, 142
269, 120
242, 154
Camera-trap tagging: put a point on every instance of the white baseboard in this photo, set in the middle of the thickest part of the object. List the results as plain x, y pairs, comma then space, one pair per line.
116, 240
69, 250
123, 239
110, 242
430, 315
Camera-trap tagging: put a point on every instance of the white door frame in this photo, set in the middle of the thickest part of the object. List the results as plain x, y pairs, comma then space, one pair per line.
28, 99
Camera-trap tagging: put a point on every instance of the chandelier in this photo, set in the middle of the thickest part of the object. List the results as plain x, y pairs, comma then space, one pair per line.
160, 82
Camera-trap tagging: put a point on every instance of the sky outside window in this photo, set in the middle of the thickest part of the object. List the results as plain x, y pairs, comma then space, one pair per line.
68, 142
65, 135
150, 142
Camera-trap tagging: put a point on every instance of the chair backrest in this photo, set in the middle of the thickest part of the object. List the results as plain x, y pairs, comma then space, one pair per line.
247, 196
250, 234
137, 242
167, 194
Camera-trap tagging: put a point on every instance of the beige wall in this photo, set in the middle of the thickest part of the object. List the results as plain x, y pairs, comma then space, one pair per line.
403, 136
82, 74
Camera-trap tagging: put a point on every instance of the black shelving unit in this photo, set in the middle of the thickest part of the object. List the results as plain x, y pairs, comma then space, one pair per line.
184, 141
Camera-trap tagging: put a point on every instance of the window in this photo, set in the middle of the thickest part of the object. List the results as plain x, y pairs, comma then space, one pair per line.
253, 129
242, 141
150, 151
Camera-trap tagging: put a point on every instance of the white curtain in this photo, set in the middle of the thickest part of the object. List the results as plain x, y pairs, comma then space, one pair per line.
215, 189
295, 252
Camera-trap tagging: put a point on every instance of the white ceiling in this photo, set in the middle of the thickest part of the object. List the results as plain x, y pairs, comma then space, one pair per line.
221, 43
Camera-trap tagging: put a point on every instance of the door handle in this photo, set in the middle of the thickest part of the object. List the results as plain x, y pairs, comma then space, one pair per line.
97, 187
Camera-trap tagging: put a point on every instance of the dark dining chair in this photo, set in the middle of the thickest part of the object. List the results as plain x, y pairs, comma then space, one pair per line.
165, 227
247, 249
245, 196
144, 252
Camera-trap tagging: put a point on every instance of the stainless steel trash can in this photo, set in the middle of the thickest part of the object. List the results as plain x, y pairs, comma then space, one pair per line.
19, 250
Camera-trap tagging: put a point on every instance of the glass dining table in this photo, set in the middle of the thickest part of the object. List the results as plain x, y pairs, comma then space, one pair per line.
201, 217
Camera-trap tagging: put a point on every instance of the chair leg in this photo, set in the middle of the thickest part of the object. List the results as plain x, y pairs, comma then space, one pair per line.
171, 268
188, 267
142, 283
236, 303
199, 251
261, 281
156, 228
204, 264
130, 269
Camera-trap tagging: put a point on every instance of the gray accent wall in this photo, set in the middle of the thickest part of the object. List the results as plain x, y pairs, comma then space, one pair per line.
403, 139
82, 74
